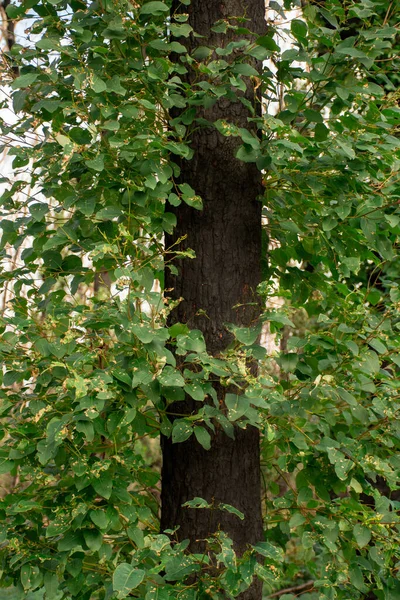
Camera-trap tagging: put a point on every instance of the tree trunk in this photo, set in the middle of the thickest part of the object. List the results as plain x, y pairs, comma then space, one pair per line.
226, 237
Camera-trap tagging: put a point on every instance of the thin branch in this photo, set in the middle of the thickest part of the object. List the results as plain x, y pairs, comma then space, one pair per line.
303, 587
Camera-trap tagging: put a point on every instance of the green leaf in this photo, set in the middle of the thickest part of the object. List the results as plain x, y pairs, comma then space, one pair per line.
98, 85
38, 210
227, 555
48, 43
368, 227
179, 48
347, 397
203, 437
71, 540
313, 116
52, 260
259, 53
111, 125
13, 12
162, 593
269, 551
299, 29
103, 485
93, 539
24, 80
108, 213
99, 518
86, 206
237, 406
192, 342
245, 69
347, 149
86, 427
246, 335
182, 29
352, 52
18, 99
189, 196
278, 317
288, 361
178, 329
143, 332
196, 391
296, 520
362, 535
51, 584
342, 466
5, 466
136, 535
80, 136
154, 8
357, 579
63, 140
321, 132
177, 568
197, 503
393, 220
122, 375
247, 153
201, 53
329, 223
171, 377
96, 163
352, 346
395, 293
174, 200
114, 85
385, 248
378, 346
268, 42
126, 577
181, 430
232, 510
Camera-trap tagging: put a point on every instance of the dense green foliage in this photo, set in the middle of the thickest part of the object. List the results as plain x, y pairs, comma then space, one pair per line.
87, 374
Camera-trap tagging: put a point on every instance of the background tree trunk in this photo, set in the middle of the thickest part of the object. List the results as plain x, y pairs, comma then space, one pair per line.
7, 26
226, 237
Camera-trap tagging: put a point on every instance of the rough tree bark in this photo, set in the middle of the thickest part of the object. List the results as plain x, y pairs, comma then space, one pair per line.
7, 26
226, 237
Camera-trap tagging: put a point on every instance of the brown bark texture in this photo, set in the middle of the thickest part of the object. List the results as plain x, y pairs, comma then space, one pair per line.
7, 26
217, 287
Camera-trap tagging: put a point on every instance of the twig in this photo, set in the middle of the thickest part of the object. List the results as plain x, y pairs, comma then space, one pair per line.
308, 585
